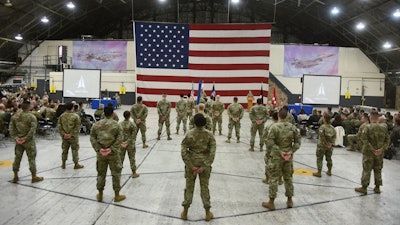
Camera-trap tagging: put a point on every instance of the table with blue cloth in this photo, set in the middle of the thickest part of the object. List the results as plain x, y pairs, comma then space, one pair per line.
96, 103
307, 108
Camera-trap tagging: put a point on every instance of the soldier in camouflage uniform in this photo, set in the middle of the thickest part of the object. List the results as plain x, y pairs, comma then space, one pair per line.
235, 113
51, 113
22, 129
376, 140
217, 110
200, 109
327, 136
99, 112
208, 106
190, 105
267, 156
283, 140
258, 116
164, 109
115, 117
106, 138
354, 139
69, 125
181, 114
198, 152
128, 142
139, 113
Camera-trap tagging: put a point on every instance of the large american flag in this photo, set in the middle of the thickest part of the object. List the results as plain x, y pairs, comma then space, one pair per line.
170, 57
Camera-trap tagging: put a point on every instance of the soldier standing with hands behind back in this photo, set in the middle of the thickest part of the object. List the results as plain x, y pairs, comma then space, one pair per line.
198, 152
139, 113
235, 113
327, 136
258, 116
22, 128
181, 114
106, 138
283, 140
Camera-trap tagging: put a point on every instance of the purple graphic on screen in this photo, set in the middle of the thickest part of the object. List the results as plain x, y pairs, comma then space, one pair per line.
105, 55
314, 60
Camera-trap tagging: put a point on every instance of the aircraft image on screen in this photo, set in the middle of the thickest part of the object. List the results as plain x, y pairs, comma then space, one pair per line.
309, 63
103, 58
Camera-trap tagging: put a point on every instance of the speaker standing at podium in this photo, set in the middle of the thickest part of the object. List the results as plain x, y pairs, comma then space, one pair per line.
250, 99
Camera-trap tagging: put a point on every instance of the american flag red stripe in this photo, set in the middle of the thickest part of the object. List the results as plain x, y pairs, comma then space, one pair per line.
233, 57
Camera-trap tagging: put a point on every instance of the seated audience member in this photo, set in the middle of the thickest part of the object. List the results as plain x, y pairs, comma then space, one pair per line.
302, 116
395, 135
314, 118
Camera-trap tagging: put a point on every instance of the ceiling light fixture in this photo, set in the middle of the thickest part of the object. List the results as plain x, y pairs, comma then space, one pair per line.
235, 1
360, 26
396, 13
162, 1
70, 5
335, 11
18, 37
44, 19
8, 3
387, 45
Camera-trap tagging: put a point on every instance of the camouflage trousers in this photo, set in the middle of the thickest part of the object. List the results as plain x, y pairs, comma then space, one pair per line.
277, 168
267, 161
131, 149
253, 131
142, 127
182, 119
74, 144
113, 160
161, 123
30, 148
189, 115
372, 163
352, 141
190, 183
85, 122
217, 119
232, 124
321, 152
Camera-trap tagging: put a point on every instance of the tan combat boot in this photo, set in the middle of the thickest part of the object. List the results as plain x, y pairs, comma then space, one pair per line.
265, 180
184, 213
78, 166
209, 215
169, 138
177, 132
36, 178
317, 174
251, 148
16, 178
289, 202
228, 140
362, 190
329, 172
280, 180
238, 140
269, 205
261, 148
63, 165
119, 197
220, 133
144, 145
377, 189
135, 175
158, 137
99, 196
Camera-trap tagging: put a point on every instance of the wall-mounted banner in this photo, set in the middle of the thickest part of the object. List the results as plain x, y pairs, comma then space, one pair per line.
299, 60
104, 55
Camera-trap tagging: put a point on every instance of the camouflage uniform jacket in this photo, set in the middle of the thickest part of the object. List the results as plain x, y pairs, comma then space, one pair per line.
181, 106
258, 112
235, 110
190, 105
327, 134
128, 132
373, 137
198, 148
23, 125
283, 137
106, 133
69, 123
139, 111
217, 107
163, 108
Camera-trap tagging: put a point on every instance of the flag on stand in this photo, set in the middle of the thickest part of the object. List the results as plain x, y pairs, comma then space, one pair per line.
169, 56
199, 92
192, 93
262, 95
213, 93
274, 98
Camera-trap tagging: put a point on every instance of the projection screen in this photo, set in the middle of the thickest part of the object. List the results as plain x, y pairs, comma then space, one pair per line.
321, 90
81, 83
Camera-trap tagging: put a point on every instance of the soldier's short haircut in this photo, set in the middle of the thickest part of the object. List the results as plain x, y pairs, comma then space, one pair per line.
259, 100
108, 111
69, 106
374, 115
365, 115
286, 108
127, 114
275, 116
397, 122
139, 99
181, 94
327, 118
283, 113
199, 120
235, 99
201, 107
25, 105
